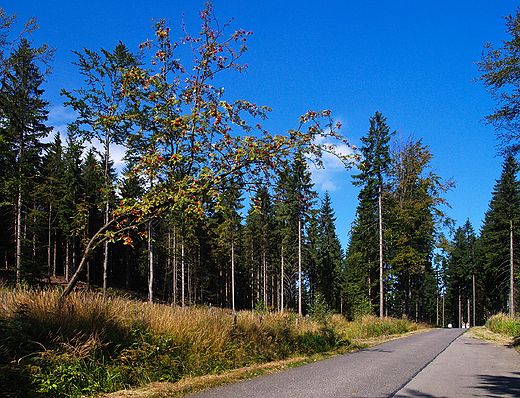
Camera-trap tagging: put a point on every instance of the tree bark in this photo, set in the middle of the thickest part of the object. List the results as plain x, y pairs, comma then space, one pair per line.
19, 204
511, 271
299, 267
49, 247
232, 272
91, 245
182, 274
381, 287
150, 262
281, 283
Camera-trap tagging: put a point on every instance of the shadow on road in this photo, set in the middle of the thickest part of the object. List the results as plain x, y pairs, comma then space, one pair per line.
501, 385
407, 393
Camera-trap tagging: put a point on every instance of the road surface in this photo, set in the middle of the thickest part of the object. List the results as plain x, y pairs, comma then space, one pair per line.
441, 363
468, 368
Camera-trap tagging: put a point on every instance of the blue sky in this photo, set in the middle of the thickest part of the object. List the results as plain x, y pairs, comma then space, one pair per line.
413, 61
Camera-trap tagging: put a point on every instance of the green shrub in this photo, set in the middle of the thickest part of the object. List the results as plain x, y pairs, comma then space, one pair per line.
362, 308
504, 324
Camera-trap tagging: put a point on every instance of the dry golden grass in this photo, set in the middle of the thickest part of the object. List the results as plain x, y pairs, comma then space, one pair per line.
483, 333
144, 342
190, 385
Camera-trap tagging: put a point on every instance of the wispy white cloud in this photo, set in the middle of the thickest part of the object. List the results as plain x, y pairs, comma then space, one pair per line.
331, 176
117, 154
60, 116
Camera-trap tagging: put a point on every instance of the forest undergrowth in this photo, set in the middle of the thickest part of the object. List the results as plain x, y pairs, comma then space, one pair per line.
89, 344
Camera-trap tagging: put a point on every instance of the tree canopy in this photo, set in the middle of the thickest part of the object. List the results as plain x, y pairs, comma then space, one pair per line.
501, 77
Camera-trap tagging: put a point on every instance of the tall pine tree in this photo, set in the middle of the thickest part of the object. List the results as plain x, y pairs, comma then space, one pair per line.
367, 237
330, 256
499, 239
460, 272
24, 114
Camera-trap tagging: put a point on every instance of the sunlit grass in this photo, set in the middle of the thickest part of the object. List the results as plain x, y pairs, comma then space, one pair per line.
504, 324
90, 343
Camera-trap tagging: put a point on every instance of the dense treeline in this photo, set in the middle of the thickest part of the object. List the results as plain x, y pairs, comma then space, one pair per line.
480, 273
212, 210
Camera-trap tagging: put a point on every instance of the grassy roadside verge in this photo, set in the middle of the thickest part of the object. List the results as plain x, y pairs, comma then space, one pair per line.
500, 329
190, 385
92, 345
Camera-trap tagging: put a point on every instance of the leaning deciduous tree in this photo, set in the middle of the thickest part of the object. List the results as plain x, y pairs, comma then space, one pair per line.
96, 106
190, 139
416, 214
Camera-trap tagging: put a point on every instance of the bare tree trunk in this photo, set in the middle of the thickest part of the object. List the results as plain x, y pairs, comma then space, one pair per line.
174, 266
107, 208
74, 268
273, 291
437, 310
182, 274
232, 272
33, 266
381, 290
49, 247
469, 309
460, 310
150, 261
169, 265
105, 264
369, 280
474, 304
93, 242
443, 310
223, 289
264, 277
511, 271
19, 233
54, 256
19, 204
252, 288
258, 282
67, 260
127, 266
299, 266
281, 283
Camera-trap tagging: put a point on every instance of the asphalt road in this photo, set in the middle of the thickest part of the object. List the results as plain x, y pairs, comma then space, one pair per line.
380, 371
468, 368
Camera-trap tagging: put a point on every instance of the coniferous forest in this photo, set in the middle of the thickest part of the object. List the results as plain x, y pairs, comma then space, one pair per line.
211, 209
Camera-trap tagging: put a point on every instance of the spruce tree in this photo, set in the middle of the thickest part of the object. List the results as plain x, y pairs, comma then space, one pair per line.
499, 239
51, 192
228, 232
69, 204
460, 272
367, 236
24, 114
295, 197
260, 241
330, 256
